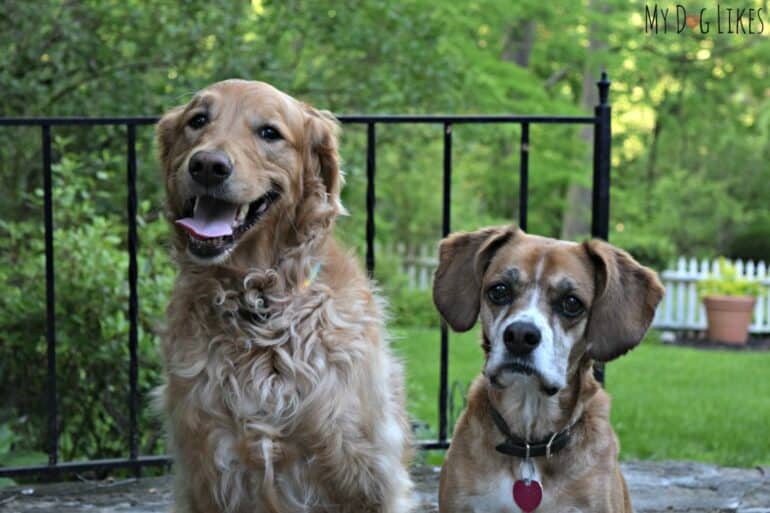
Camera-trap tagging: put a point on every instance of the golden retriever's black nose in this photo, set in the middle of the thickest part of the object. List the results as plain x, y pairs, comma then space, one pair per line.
521, 338
210, 168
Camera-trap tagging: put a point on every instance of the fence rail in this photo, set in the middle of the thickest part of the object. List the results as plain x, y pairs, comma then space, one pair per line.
418, 263
682, 309
601, 121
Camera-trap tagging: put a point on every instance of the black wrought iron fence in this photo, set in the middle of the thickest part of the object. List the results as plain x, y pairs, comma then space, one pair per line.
135, 461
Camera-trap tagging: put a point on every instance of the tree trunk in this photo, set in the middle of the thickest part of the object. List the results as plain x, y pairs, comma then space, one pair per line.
652, 162
517, 48
576, 220
518, 44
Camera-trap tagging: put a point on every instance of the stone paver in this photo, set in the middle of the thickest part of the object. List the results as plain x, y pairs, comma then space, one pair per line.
656, 487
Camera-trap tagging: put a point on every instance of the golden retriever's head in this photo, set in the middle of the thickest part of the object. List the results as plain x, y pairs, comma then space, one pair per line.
242, 157
543, 302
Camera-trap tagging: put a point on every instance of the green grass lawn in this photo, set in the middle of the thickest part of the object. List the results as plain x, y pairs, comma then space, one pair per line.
668, 402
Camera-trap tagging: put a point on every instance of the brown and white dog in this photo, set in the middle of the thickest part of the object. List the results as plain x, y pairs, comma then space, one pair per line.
548, 309
281, 392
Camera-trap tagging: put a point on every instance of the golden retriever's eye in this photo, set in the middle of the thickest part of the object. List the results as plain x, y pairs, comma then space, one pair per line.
571, 306
198, 121
269, 133
500, 294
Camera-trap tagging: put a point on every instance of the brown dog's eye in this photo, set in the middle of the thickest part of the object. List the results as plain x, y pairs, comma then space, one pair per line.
269, 133
198, 121
571, 306
500, 294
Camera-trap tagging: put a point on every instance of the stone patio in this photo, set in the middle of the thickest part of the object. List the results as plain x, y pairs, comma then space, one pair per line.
656, 487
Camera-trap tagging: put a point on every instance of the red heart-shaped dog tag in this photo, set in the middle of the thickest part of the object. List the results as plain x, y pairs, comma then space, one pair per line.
527, 494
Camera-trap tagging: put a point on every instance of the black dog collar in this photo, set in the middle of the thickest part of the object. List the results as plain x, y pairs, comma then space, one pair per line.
515, 446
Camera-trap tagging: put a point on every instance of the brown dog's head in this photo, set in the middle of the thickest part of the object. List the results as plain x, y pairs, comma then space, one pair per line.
242, 155
539, 298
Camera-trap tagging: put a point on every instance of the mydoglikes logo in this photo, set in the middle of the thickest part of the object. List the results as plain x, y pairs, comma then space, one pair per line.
720, 19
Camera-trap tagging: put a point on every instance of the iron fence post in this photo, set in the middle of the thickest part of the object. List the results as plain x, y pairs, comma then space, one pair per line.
445, 229
50, 277
133, 301
524, 176
600, 222
371, 198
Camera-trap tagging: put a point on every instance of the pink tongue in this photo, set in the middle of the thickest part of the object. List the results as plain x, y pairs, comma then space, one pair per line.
211, 218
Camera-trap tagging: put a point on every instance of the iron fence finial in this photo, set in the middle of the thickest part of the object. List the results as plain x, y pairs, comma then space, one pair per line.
604, 88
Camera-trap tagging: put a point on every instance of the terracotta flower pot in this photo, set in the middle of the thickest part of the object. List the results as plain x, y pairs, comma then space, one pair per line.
729, 318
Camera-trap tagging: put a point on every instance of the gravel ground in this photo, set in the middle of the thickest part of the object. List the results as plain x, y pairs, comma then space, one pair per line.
656, 487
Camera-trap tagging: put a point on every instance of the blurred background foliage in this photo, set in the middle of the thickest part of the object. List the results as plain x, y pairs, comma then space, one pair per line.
691, 143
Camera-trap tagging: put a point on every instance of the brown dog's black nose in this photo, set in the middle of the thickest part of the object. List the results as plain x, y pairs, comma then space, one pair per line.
210, 168
521, 338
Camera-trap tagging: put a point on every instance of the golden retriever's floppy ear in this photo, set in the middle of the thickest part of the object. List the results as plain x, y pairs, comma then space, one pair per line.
323, 128
463, 259
627, 294
166, 130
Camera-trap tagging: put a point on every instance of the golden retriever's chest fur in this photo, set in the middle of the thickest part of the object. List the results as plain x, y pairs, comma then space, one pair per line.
250, 372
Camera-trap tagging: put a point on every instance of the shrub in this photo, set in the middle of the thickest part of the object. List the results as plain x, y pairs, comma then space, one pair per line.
752, 242
413, 307
648, 249
91, 266
407, 306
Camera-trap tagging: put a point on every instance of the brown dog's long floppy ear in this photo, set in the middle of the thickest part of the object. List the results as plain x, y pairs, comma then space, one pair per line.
166, 130
323, 128
463, 258
627, 294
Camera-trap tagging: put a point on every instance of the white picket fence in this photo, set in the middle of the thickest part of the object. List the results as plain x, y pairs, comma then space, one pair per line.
418, 263
682, 309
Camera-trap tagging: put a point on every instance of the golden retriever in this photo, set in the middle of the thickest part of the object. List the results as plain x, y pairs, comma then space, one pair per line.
281, 391
536, 435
